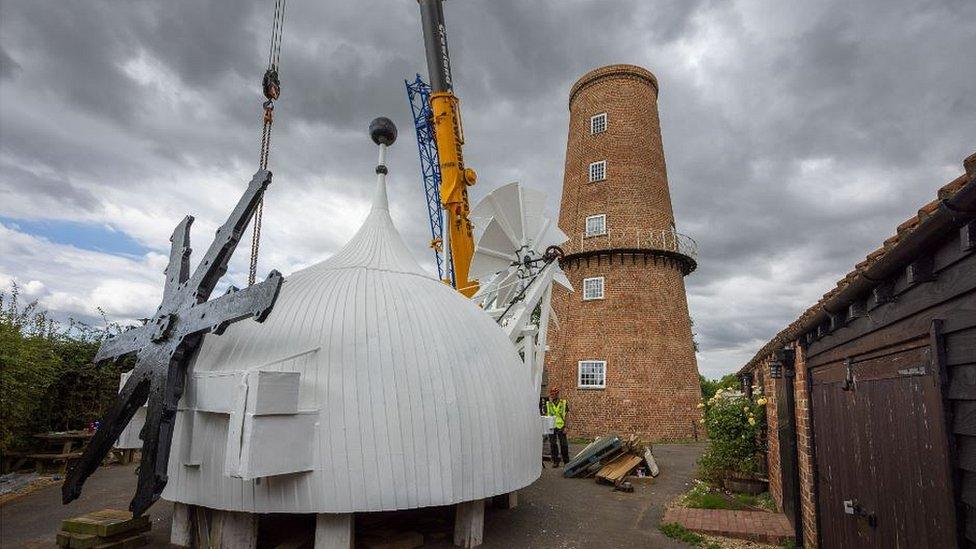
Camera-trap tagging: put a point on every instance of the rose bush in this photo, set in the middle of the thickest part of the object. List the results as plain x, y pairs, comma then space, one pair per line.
735, 428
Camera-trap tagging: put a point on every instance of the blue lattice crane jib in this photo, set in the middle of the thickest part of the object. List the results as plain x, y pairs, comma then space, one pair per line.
418, 94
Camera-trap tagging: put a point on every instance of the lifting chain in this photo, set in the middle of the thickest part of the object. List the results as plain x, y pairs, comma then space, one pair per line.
271, 87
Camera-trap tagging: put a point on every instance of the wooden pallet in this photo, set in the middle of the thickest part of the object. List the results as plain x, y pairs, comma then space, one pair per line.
105, 529
602, 449
618, 469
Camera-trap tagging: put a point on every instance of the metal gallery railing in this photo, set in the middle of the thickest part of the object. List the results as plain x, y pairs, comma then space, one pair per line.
634, 238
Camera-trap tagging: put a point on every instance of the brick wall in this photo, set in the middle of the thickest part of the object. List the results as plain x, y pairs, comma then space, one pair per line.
808, 496
645, 337
772, 435
641, 327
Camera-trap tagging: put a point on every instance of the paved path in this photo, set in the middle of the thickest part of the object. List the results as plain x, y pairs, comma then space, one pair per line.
752, 525
553, 512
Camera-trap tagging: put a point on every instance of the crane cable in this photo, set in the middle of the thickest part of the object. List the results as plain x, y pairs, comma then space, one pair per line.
271, 87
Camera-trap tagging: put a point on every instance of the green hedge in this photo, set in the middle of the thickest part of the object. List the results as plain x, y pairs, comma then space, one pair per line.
47, 379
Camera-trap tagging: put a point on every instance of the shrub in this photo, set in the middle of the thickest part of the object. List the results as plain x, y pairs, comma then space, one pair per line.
47, 379
735, 427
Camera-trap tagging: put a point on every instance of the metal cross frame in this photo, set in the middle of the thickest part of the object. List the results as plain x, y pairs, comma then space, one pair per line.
166, 343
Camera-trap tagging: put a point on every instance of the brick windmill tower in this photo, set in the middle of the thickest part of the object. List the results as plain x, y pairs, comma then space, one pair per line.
622, 351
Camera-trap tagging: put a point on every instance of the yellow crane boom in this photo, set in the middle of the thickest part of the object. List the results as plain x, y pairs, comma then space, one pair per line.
449, 137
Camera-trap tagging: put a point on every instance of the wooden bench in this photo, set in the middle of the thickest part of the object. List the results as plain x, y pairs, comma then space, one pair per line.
41, 459
12, 461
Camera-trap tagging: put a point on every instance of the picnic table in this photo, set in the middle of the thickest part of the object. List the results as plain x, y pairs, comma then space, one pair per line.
62, 447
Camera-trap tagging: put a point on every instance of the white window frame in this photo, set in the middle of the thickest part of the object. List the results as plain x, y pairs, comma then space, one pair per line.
602, 176
596, 121
586, 225
592, 385
594, 296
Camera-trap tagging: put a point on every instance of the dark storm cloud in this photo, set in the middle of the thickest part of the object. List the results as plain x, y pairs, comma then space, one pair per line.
797, 134
8, 67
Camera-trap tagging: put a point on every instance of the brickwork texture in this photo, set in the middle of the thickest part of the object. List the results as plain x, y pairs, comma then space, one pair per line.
641, 327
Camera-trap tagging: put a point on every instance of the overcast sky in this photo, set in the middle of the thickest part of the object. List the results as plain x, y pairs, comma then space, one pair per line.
797, 134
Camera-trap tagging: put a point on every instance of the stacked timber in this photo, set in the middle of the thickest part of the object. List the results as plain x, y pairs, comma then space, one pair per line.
105, 529
611, 460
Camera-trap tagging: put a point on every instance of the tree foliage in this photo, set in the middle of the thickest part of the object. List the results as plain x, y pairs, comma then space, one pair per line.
47, 379
710, 386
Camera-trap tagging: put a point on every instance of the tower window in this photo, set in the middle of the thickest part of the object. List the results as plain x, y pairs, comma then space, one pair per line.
592, 374
593, 288
596, 225
598, 171
598, 123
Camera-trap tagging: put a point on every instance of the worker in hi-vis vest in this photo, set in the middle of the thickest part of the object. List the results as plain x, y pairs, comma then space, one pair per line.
557, 408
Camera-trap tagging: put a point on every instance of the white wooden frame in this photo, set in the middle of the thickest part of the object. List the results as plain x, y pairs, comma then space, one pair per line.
598, 120
586, 225
602, 292
579, 374
598, 166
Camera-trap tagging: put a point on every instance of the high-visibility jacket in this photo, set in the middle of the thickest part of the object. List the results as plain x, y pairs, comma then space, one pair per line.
557, 410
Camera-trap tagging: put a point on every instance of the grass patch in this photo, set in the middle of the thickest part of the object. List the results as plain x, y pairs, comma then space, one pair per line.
711, 500
704, 496
678, 532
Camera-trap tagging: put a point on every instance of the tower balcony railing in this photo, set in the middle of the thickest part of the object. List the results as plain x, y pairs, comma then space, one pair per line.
662, 240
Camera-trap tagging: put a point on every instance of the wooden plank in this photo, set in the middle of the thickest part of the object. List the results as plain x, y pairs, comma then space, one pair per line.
970, 523
964, 420
140, 540
55, 457
617, 469
962, 382
961, 347
469, 524
966, 453
105, 523
181, 532
968, 491
233, 530
910, 316
335, 531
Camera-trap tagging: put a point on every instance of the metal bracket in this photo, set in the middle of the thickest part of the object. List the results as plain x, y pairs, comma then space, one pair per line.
853, 508
849, 378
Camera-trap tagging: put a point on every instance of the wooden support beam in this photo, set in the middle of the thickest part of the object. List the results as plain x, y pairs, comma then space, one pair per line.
881, 294
835, 321
505, 501
919, 271
233, 530
335, 531
469, 524
181, 533
856, 309
967, 236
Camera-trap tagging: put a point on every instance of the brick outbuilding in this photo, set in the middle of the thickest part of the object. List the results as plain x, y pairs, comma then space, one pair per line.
872, 391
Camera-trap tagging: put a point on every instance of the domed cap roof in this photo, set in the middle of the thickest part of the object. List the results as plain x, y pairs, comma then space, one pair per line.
411, 395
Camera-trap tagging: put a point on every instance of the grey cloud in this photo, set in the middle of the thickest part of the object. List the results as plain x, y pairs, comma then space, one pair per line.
880, 91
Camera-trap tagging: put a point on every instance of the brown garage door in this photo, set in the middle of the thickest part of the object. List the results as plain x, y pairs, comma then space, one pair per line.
880, 447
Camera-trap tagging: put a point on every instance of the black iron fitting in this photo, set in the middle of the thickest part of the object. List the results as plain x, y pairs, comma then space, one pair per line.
381, 168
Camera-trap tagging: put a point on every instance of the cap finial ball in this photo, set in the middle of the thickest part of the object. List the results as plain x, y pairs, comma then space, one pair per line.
382, 131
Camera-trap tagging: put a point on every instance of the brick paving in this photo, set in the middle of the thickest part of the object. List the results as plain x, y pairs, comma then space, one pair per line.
751, 525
